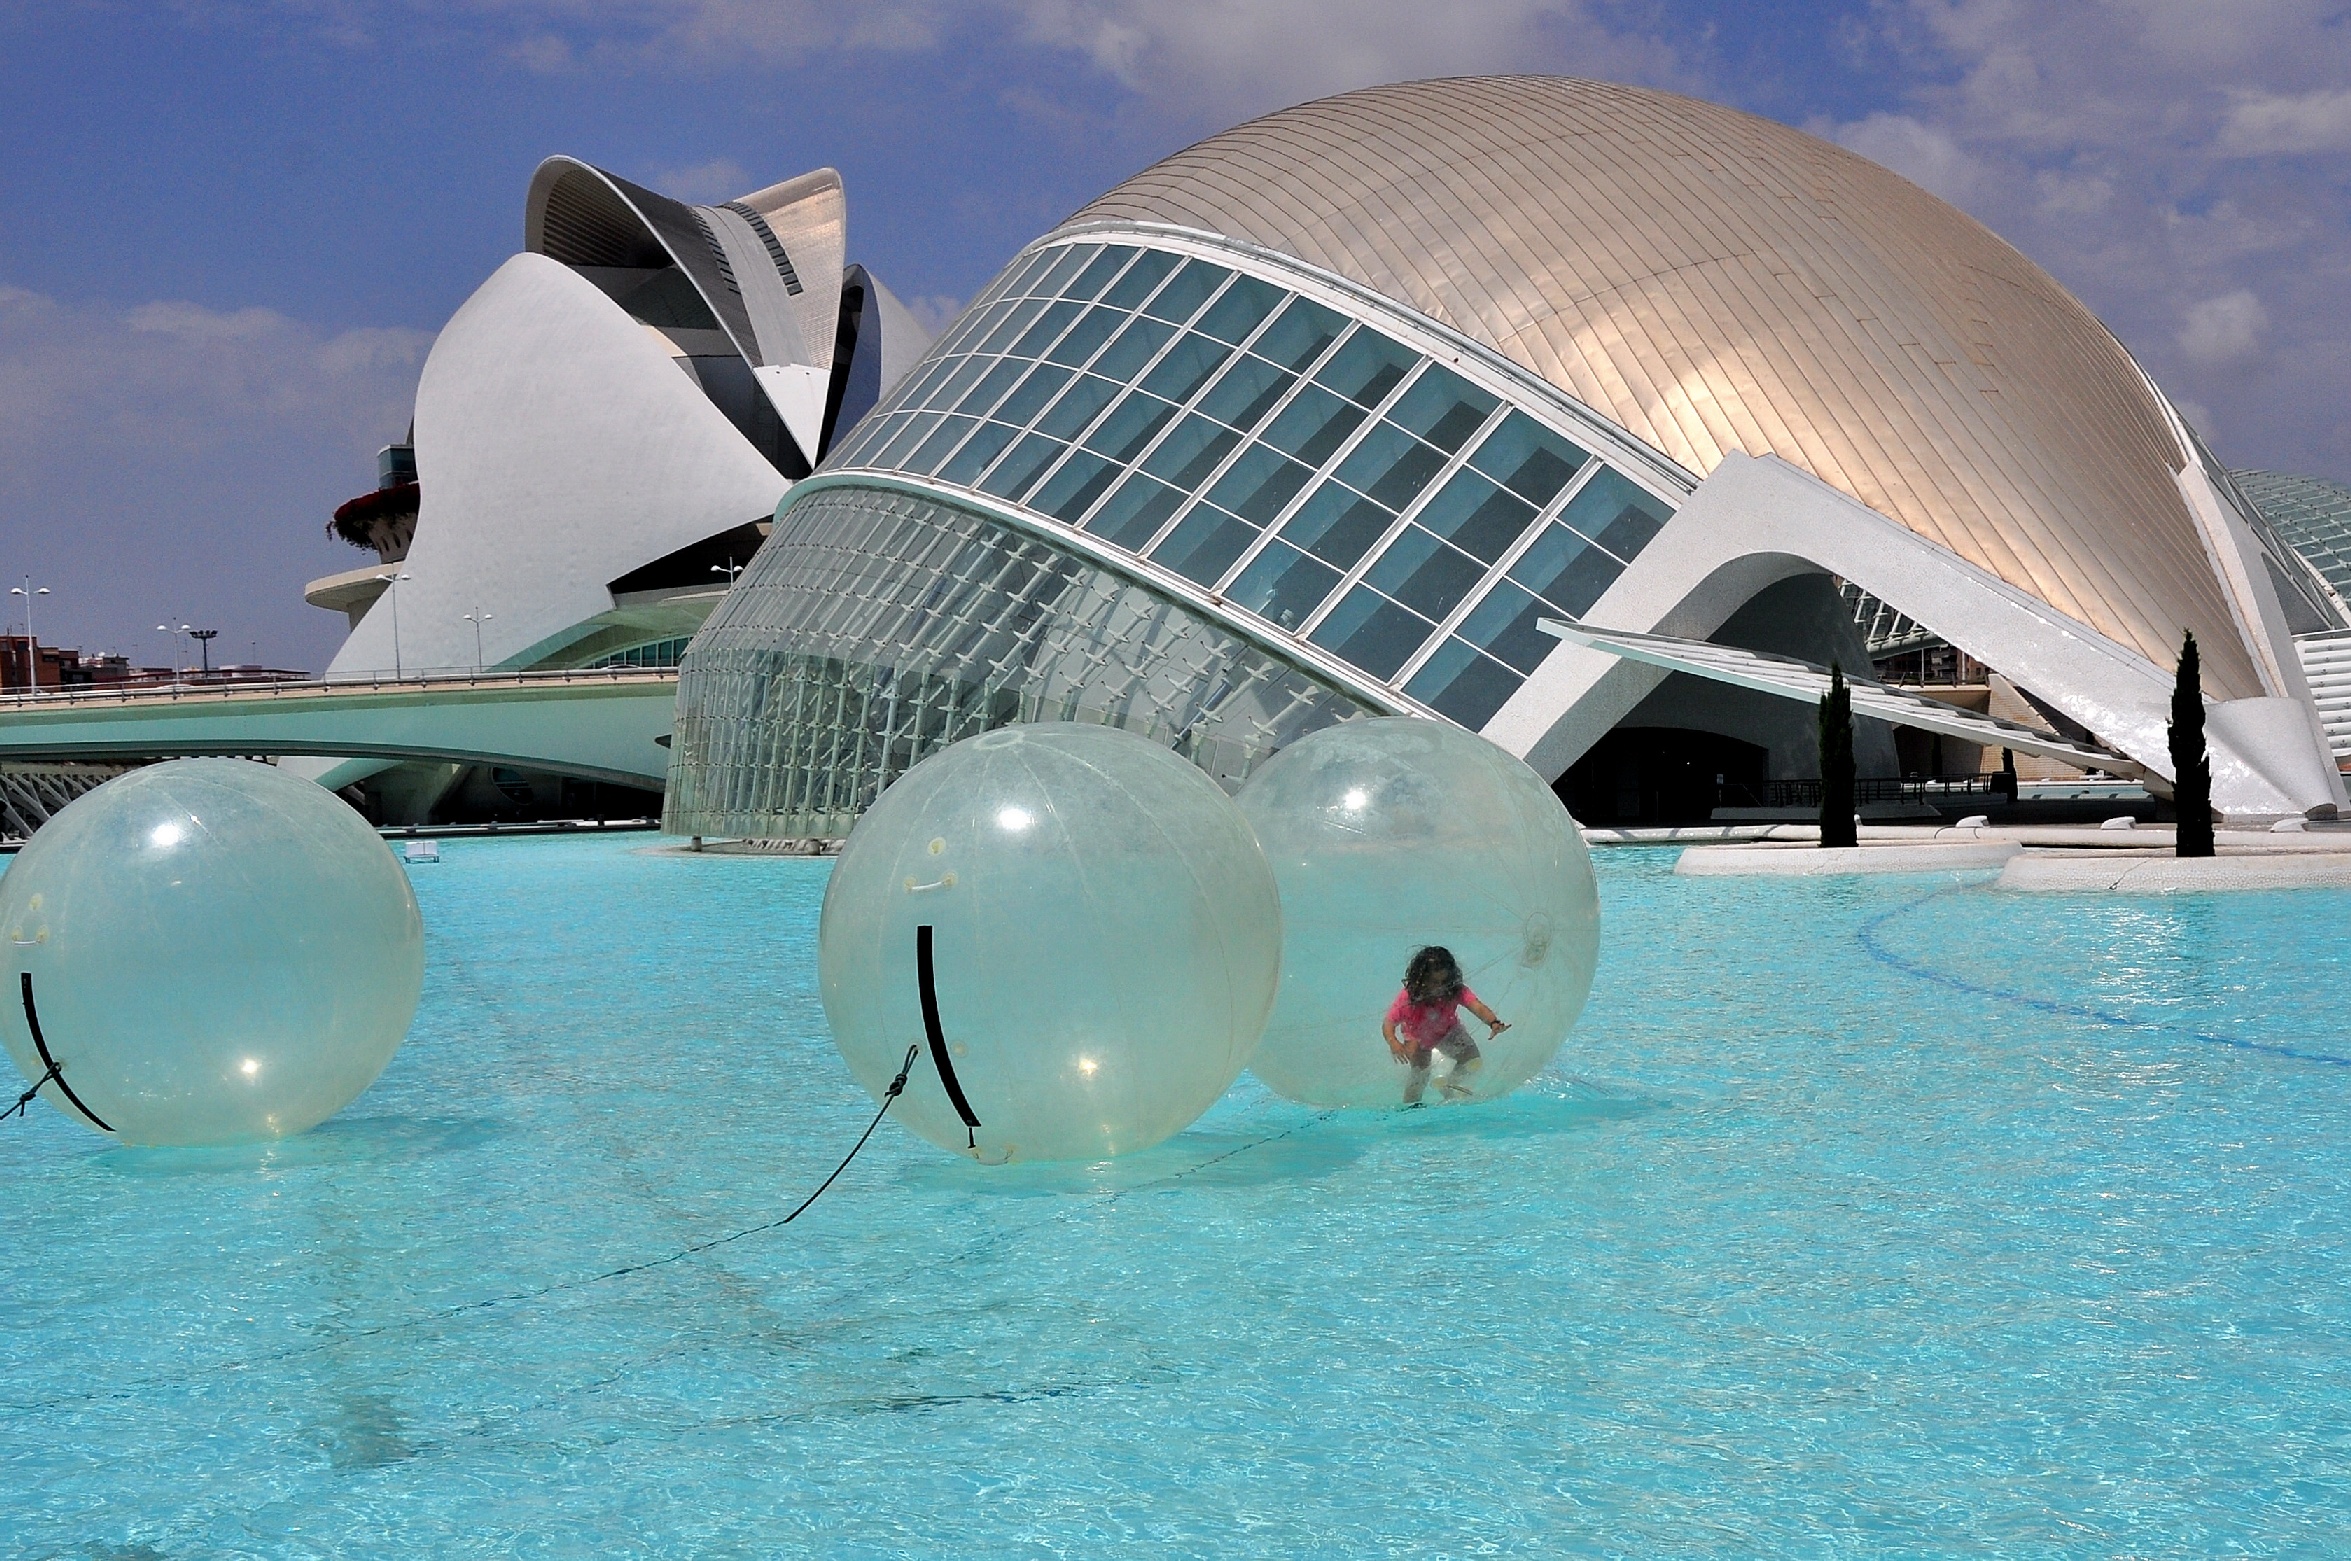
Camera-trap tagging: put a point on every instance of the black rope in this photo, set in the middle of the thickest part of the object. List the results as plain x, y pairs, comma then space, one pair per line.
56, 1070
938, 1037
26, 1098
889, 1096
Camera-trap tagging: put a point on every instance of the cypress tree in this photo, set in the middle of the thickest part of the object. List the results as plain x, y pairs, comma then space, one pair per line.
1836, 764
2191, 765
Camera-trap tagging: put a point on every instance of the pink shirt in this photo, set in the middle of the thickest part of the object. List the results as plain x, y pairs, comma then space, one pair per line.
1427, 1024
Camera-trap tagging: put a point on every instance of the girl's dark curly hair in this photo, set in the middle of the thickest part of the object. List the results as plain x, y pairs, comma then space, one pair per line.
1433, 976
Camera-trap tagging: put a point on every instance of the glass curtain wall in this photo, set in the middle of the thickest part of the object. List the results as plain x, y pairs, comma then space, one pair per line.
876, 628
1311, 470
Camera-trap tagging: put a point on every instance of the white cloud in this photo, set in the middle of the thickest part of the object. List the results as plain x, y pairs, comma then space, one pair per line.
933, 311
1926, 156
2168, 160
720, 179
172, 457
1242, 56
2260, 123
2224, 330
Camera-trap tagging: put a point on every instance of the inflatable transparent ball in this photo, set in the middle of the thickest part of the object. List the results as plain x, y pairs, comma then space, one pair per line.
1105, 939
1390, 834
220, 953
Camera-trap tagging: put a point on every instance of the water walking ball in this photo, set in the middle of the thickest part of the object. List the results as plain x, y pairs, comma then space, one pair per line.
214, 952
1073, 927
1390, 834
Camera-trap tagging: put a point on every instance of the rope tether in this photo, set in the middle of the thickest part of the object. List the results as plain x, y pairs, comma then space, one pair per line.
930, 1025
55, 1070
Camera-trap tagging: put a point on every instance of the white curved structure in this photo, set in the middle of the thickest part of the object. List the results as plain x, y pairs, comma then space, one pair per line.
1349, 400
604, 428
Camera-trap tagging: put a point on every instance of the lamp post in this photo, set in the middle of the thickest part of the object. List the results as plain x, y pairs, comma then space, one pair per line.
392, 589
730, 569
165, 628
204, 639
477, 618
32, 647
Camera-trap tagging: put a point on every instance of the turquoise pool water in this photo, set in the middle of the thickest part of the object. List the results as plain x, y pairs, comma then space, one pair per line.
1864, 1217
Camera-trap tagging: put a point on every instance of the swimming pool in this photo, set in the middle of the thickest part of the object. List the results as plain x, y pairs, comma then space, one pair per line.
1857, 1216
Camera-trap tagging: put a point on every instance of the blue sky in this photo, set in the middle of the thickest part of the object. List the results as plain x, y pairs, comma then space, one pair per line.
228, 230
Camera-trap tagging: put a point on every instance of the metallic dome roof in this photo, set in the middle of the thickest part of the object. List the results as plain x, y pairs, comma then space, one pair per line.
1712, 281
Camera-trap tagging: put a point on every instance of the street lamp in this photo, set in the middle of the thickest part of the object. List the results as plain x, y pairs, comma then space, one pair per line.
392, 589
730, 569
477, 618
165, 628
32, 647
204, 639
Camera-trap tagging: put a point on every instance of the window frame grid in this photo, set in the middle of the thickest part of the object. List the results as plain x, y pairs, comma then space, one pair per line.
1126, 388
1198, 498
1545, 518
1184, 409
1404, 517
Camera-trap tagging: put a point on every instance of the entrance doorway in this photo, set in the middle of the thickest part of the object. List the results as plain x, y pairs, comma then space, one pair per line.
1662, 775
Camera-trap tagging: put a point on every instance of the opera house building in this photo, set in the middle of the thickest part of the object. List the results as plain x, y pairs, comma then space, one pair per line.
1584, 416
603, 431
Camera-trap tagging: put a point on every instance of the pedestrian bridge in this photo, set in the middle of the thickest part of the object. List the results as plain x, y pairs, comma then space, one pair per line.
603, 724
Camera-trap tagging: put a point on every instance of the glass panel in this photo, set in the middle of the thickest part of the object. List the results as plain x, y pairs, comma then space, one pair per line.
950, 394
1283, 585
1017, 318
1049, 324
1124, 358
1390, 465
1141, 277
1189, 454
1185, 368
1098, 273
1125, 431
976, 453
915, 431
1372, 632
1133, 515
1424, 574
1246, 393
1017, 285
1566, 570
1091, 331
1186, 291
1299, 336
1504, 623
1442, 408
1041, 385
1015, 472
944, 438
1367, 368
1067, 264
1463, 685
1615, 514
1313, 425
869, 434
991, 390
1259, 484
1241, 310
1473, 514
1086, 395
1071, 491
1528, 459
1337, 526
912, 395
1204, 544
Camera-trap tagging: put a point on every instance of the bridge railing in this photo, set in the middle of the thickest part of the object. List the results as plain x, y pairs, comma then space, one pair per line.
196, 687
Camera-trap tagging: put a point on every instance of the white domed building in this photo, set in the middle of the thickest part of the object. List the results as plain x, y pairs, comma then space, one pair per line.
1565, 411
